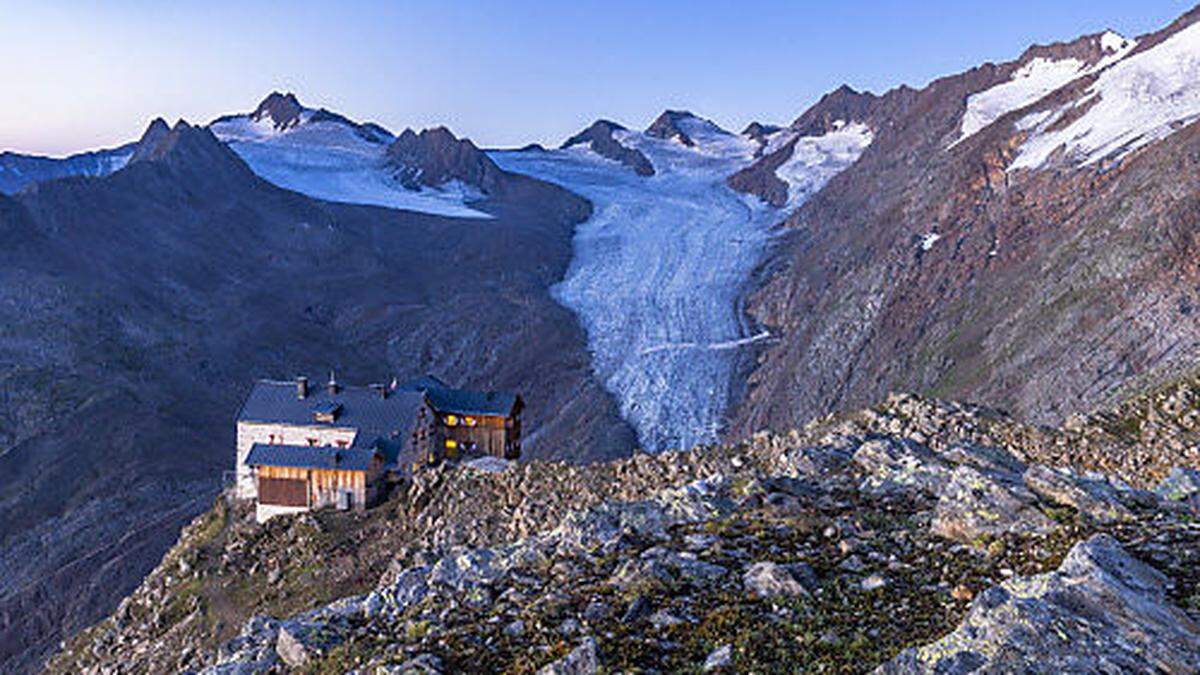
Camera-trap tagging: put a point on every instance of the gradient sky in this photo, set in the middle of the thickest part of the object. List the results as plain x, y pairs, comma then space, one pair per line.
81, 75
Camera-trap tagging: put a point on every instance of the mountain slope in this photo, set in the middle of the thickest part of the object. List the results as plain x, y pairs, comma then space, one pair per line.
937, 263
137, 307
17, 170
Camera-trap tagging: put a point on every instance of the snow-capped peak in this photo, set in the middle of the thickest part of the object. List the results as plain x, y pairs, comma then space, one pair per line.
1115, 43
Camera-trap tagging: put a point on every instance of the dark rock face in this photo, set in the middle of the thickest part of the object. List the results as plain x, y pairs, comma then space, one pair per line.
843, 104
137, 307
667, 126
599, 137
934, 269
282, 109
760, 179
435, 156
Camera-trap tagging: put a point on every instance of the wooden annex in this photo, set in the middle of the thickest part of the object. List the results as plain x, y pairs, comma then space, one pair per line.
301, 448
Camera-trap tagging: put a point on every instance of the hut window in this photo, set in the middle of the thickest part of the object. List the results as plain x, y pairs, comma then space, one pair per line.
451, 443
451, 420
470, 421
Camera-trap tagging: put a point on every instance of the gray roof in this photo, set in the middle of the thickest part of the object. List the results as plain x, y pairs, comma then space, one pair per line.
465, 402
311, 457
446, 399
362, 408
425, 383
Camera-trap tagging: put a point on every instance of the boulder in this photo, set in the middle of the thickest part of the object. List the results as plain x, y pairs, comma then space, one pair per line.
1181, 485
1102, 611
900, 464
973, 505
770, 580
300, 643
581, 661
719, 658
1094, 499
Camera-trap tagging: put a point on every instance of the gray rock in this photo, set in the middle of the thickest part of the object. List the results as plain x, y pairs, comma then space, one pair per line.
464, 567
721, 657
890, 464
873, 582
1102, 611
515, 629
664, 619
581, 661
666, 567
1181, 485
769, 580
972, 505
1094, 499
422, 664
301, 642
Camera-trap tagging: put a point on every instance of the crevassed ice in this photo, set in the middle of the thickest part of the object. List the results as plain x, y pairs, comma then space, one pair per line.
1141, 99
660, 270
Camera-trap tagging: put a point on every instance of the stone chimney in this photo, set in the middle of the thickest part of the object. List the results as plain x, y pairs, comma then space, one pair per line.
301, 387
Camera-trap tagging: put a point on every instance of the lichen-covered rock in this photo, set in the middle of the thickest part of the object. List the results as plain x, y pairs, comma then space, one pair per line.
889, 463
1181, 485
972, 506
1102, 611
1092, 498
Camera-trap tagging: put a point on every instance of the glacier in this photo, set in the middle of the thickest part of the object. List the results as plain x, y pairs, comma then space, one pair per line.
328, 160
661, 268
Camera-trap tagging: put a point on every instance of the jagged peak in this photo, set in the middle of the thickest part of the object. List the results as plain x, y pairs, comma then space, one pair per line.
283, 109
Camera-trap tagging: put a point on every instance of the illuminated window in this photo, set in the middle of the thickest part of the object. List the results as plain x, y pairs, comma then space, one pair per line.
470, 421
451, 420
451, 443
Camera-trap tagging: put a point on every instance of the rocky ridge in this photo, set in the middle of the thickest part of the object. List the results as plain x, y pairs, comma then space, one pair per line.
860, 541
599, 137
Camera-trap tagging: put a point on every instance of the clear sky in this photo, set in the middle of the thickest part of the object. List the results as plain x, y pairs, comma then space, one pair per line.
80, 75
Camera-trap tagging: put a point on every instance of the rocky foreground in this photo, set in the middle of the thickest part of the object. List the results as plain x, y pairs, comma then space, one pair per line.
914, 537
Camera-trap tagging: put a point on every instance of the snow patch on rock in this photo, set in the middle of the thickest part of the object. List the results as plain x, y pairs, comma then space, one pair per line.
1141, 99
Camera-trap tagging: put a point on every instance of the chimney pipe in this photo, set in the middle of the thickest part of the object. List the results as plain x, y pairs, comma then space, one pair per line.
301, 387
333, 385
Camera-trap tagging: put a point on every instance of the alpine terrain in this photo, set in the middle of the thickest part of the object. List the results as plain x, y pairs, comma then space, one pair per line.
908, 384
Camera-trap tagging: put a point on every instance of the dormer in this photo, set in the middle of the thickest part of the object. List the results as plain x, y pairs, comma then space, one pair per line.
326, 412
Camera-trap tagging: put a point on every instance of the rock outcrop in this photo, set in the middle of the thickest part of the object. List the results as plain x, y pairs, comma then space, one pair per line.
599, 137
1100, 611
831, 546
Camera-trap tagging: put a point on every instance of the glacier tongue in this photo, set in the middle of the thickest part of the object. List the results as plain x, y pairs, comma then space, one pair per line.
658, 275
